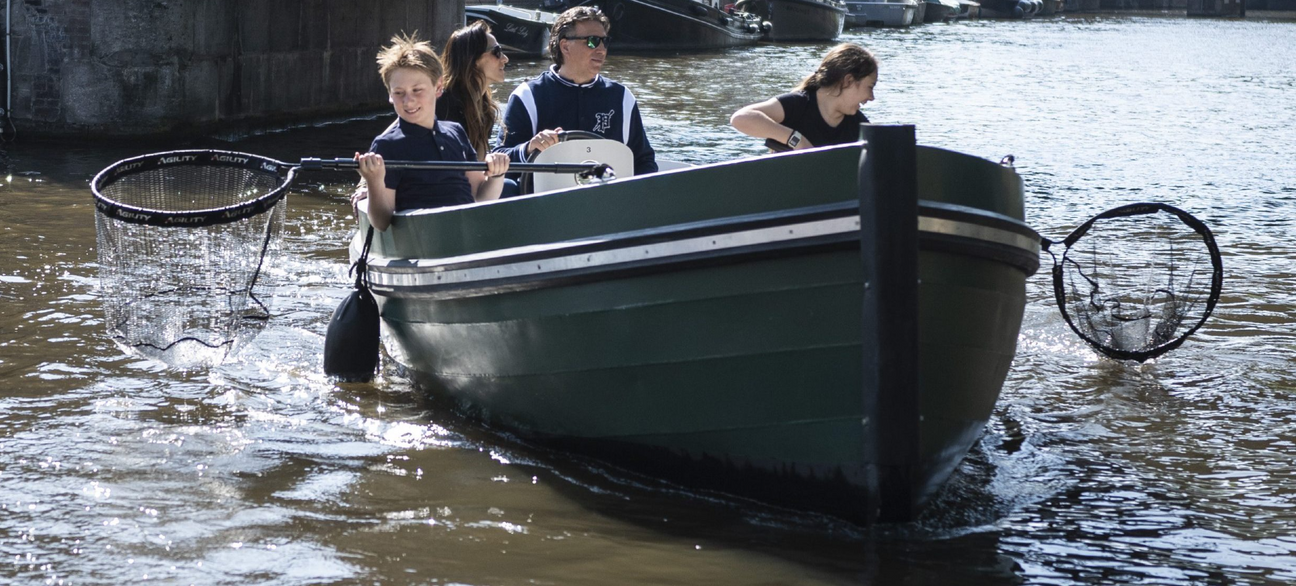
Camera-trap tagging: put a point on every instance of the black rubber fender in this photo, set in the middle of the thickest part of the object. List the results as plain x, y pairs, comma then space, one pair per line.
351, 343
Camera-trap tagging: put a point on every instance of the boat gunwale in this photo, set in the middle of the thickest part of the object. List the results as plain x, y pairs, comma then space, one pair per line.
942, 227
636, 237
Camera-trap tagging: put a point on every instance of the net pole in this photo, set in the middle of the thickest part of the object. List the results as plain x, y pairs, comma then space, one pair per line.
316, 164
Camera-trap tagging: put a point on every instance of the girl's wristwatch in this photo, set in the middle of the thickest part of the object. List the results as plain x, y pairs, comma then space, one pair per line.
794, 140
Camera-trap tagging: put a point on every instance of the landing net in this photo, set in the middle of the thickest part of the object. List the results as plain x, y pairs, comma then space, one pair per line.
1134, 282
185, 239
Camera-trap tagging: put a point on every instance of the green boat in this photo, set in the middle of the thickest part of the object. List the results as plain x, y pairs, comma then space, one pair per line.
825, 329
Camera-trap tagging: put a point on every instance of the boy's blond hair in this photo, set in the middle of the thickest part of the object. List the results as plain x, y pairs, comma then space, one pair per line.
408, 52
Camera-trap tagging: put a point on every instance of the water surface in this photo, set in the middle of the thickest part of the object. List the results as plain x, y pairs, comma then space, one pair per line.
1090, 471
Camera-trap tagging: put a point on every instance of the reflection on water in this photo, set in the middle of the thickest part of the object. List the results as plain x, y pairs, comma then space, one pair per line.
1173, 472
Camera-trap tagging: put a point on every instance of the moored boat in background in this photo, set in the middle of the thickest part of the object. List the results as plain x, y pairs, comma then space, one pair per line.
940, 10
920, 12
1011, 8
798, 20
648, 25
520, 31
884, 13
713, 324
968, 10
1052, 7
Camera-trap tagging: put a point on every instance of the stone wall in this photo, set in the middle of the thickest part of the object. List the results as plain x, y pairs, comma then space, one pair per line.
147, 67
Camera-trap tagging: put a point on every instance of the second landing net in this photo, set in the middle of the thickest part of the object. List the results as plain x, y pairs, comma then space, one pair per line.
1135, 281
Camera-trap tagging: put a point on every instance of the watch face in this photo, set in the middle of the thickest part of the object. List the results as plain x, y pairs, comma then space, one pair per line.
795, 140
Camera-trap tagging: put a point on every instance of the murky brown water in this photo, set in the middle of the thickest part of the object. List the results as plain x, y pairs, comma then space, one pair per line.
1091, 472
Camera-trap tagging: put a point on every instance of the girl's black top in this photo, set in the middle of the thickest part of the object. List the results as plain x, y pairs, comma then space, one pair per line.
801, 113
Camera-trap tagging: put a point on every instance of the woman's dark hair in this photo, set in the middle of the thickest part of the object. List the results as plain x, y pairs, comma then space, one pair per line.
567, 21
468, 84
844, 59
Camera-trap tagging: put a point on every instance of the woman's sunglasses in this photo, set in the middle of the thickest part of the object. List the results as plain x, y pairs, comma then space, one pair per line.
591, 41
497, 51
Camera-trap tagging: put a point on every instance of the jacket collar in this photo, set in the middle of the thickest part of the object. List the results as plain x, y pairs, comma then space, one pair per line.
553, 69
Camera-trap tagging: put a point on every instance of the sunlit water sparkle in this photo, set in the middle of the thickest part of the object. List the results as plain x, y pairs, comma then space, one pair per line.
1178, 471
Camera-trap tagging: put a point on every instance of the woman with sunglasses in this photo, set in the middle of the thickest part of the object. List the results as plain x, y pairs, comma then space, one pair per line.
573, 95
474, 60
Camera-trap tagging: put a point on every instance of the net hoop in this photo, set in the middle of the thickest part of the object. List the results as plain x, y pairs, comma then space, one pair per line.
1136, 209
192, 218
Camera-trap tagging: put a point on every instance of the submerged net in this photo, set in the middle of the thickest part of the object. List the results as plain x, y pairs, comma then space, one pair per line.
1136, 281
184, 241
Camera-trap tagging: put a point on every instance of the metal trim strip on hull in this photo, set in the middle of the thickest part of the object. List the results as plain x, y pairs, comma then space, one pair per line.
978, 234
975, 232
469, 282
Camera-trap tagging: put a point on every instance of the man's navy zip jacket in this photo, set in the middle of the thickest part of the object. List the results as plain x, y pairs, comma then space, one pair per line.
601, 106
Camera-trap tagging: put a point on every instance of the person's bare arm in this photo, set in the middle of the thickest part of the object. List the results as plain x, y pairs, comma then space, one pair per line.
487, 186
764, 120
382, 200
360, 194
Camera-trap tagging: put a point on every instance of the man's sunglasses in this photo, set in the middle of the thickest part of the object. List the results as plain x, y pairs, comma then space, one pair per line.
497, 51
591, 41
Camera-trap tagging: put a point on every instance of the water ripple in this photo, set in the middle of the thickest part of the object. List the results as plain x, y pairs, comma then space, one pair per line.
1090, 471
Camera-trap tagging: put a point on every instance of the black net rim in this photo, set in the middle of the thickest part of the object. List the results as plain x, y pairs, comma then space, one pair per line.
190, 218
1135, 209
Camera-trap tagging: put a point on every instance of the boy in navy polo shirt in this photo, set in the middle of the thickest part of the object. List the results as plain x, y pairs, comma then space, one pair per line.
413, 76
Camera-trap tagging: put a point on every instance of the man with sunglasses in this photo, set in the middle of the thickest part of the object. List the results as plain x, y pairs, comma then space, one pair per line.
572, 95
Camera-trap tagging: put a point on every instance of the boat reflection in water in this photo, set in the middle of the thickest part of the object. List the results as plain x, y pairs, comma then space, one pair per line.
801, 328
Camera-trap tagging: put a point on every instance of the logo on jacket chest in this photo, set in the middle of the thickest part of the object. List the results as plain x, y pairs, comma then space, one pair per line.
603, 121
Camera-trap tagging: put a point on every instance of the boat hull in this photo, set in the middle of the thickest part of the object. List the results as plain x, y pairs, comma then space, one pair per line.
520, 32
1052, 7
920, 12
968, 10
799, 20
715, 340
884, 14
647, 25
940, 11
1011, 9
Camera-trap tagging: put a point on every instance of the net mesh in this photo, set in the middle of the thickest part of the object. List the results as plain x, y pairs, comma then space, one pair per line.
188, 295
1135, 286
